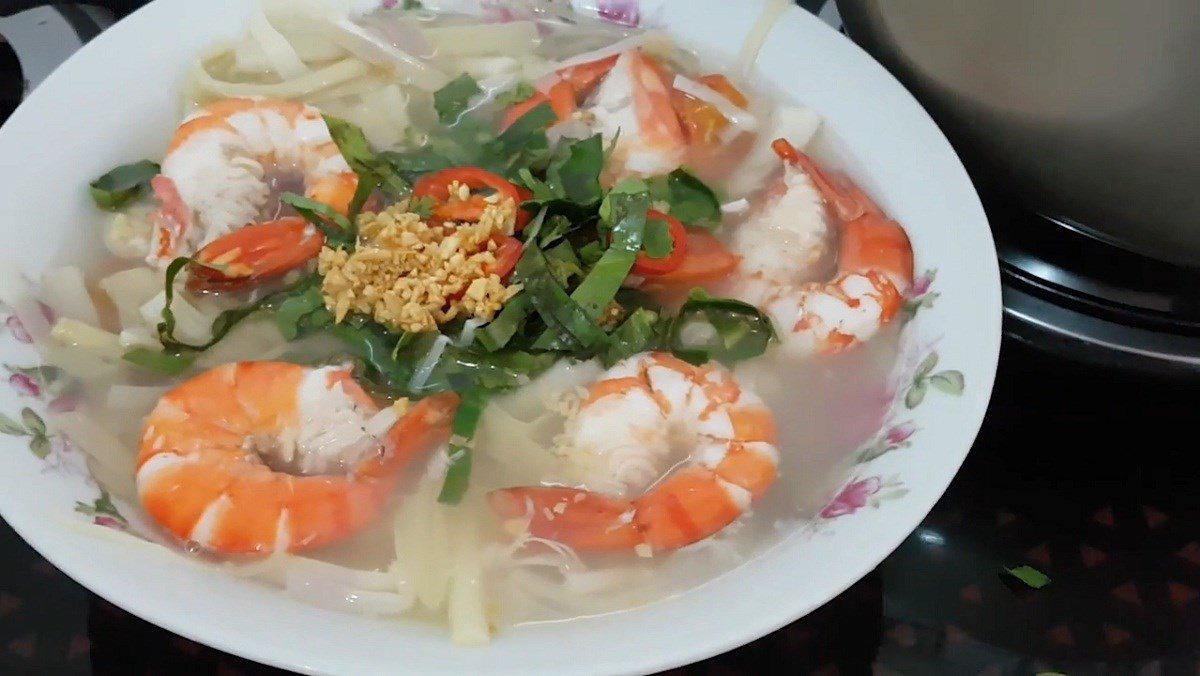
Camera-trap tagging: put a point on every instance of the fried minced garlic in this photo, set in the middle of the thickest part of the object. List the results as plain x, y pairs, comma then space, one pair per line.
412, 276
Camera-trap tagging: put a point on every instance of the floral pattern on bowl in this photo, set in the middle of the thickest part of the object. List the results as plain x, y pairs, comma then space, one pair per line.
912, 379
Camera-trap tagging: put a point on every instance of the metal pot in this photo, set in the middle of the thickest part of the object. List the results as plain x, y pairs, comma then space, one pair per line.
1089, 110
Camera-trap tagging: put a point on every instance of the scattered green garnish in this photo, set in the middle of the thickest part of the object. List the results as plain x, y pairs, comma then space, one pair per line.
519, 94
1030, 576
454, 99
466, 420
122, 184
339, 231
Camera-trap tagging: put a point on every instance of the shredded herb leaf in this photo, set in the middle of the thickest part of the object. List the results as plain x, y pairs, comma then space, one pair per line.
454, 99
496, 335
574, 172
691, 201
626, 221
641, 331
657, 242
122, 184
301, 312
224, 322
518, 94
371, 168
1030, 576
569, 322
473, 142
339, 231
563, 263
422, 206
466, 421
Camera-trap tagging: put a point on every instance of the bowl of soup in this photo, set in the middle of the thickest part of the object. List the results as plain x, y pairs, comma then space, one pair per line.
352, 337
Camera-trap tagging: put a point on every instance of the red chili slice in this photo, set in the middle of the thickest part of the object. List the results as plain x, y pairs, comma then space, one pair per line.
508, 252
646, 266
437, 186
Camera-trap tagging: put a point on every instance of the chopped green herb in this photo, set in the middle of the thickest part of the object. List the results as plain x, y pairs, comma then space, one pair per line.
590, 253
497, 334
574, 171
639, 332
658, 242
1030, 576
466, 421
301, 311
555, 228
563, 263
519, 94
454, 99
422, 206
413, 4
371, 168
339, 231
569, 322
626, 220
122, 184
692, 202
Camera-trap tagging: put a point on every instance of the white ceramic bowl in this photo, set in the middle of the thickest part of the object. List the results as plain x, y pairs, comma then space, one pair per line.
116, 100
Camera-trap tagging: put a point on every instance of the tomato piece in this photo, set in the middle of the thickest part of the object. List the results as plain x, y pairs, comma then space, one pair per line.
707, 260
561, 97
562, 100
646, 266
519, 110
721, 84
702, 122
437, 185
458, 210
586, 76
508, 252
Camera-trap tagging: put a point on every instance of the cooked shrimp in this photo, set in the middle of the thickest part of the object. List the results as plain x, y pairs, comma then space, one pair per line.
633, 105
642, 411
215, 176
259, 457
784, 244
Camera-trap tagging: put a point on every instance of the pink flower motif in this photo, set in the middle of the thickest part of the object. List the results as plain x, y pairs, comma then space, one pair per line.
24, 385
900, 433
18, 330
921, 286
64, 403
624, 12
108, 522
852, 498
389, 4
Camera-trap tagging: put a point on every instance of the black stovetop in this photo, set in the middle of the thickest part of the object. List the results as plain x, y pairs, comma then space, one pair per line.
1086, 473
